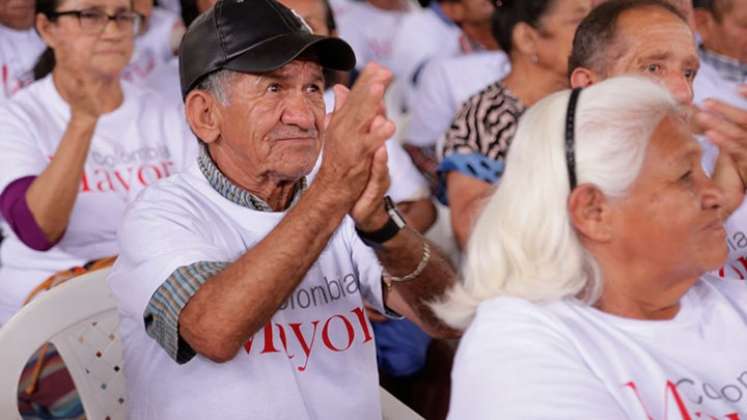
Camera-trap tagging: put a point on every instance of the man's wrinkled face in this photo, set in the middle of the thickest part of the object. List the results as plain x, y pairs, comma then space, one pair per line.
17, 14
273, 122
655, 43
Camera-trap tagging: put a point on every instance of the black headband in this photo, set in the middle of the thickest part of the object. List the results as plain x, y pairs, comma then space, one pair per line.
570, 130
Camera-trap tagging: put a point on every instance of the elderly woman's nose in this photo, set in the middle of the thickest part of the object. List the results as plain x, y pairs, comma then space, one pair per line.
712, 196
298, 111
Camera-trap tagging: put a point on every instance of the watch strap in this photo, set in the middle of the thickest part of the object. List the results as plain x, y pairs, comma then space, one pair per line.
391, 228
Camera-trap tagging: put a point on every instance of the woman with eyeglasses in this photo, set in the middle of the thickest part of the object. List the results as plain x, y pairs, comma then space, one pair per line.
586, 292
77, 146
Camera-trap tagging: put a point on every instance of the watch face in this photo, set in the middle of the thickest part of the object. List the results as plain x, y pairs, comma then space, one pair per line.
394, 213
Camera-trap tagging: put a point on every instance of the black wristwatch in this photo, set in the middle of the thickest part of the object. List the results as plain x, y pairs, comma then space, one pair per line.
395, 223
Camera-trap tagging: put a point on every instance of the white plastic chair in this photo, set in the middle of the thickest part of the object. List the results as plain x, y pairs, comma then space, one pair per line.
394, 409
80, 318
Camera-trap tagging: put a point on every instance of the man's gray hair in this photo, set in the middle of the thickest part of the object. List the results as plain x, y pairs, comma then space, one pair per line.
524, 243
217, 84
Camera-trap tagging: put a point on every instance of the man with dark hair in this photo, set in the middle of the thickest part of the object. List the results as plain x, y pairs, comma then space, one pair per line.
241, 284
653, 38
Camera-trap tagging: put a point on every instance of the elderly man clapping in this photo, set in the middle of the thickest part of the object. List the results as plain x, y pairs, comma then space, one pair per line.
241, 287
585, 294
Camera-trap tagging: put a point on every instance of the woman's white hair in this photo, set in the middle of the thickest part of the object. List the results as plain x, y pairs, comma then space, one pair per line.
523, 244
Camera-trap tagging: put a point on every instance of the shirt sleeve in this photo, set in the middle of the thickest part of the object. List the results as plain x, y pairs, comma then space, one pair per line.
162, 313
15, 210
513, 365
432, 109
166, 254
463, 135
21, 156
407, 183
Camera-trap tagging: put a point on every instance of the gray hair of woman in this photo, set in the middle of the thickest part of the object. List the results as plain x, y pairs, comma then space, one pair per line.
524, 244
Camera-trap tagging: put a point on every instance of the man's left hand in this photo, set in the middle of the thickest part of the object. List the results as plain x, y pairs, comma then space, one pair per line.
726, 126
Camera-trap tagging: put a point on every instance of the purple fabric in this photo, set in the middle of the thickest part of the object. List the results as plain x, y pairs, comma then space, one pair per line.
16, 212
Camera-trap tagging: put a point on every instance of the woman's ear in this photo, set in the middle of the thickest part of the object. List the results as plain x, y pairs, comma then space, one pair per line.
203, 115
46, 29
590, 213
524, 39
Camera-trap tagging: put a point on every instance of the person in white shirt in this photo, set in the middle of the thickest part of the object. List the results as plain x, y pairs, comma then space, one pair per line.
445, 29
369, 26
537, 36
241, 285
671, 57
20, 46
156, 43
444, 86
78, 145
723, 76
586, 293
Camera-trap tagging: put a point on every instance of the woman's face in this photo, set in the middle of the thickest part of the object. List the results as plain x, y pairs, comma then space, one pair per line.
556, 29
90, 44
673, 216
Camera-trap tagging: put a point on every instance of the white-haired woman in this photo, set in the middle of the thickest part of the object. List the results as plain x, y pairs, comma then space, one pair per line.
586, 294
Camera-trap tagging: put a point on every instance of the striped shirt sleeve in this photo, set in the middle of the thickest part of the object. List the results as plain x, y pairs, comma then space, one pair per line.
162, 313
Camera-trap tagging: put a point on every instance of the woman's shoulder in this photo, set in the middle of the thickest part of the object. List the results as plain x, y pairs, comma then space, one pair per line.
515, 317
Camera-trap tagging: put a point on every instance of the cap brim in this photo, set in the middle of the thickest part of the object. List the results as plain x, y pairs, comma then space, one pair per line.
332, 53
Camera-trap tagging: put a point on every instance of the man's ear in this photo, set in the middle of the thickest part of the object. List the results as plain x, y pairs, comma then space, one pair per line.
582, 77
204, 115
590, 213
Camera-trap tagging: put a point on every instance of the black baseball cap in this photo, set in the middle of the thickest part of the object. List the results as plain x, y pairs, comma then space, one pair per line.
253, 36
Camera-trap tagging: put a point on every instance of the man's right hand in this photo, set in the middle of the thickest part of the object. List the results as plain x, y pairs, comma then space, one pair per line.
357, 129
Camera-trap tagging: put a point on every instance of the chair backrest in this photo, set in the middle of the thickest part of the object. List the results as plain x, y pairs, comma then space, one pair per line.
80, 318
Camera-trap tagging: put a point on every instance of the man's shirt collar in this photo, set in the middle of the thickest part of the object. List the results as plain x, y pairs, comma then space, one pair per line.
233, 192
727, 67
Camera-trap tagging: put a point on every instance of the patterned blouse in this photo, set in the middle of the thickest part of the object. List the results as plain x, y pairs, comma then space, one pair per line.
478, 140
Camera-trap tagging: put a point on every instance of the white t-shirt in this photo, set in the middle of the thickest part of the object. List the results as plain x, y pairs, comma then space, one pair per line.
141, 141
19, 51
708, 84
423, 35
153, 48
406, 182
444, 85
315, 359
370, 31
165, 80
566, 360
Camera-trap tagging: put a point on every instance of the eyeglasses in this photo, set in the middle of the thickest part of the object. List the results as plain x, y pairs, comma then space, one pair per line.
94, 21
